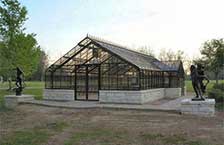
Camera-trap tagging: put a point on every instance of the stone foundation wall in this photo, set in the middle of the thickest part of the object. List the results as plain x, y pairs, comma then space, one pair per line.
114, 96
152, 95
58, 94
117, 96
172, 92
11, 101
137, 97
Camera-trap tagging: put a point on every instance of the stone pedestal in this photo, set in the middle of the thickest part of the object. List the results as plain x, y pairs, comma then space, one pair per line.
202, 108
11, 101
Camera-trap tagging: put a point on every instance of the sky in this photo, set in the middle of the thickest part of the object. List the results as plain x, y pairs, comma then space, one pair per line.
158, 24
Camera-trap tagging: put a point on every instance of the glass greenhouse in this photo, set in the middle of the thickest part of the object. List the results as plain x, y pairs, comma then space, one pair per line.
95, 64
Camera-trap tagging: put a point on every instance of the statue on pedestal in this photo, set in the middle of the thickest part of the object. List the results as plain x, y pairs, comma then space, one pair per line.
19, 79
197, 77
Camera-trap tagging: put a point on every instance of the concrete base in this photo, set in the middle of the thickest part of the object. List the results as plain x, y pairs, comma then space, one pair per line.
202, 108
11, 101
172, 92
117, 96
130, 97
137, 97
59, 94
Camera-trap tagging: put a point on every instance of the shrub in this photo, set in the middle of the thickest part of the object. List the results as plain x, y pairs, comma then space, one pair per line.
219, 86
217, 92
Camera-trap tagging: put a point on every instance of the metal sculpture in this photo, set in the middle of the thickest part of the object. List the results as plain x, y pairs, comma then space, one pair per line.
19, 79
197, 77
202, 77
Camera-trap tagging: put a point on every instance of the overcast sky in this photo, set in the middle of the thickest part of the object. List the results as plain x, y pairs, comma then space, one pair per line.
170, 24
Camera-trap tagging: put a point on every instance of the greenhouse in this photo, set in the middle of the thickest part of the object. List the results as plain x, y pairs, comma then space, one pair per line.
99, 70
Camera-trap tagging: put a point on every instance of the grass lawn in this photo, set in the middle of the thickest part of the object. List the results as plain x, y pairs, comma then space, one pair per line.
110, 137
35, 84
33, 136
39, 125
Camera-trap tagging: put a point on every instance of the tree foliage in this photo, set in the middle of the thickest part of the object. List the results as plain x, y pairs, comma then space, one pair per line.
12, 18
42, 66
212, 52
17, 49
146, 50
27, 53
169, 55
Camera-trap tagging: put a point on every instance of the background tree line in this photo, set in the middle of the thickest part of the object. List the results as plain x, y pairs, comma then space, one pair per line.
18, 48
212, 58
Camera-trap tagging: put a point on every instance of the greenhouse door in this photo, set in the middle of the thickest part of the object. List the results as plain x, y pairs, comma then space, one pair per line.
87, 82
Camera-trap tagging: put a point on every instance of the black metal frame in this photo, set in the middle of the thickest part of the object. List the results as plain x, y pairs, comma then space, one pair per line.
87, 88
114, 72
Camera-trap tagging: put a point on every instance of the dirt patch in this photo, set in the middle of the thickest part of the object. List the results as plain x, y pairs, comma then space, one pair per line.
98, 126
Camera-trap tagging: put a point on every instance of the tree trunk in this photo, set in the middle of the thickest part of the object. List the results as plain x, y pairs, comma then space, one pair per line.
216, 78
10, 83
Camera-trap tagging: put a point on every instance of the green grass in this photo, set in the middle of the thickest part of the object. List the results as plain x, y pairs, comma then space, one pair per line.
171, 139
188, 84
28, 137
34, 136
34, 84
109, 136
58, 126
38, 93
97, 135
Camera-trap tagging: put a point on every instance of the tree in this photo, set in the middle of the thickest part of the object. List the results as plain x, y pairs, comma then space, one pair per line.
42, 66
146, 50
12, 18
212, 52
17, 48
169, 55
27, 53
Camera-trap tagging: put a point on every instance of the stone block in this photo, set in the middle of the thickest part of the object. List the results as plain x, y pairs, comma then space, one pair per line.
11, 101
204, 108
59, 94
172, 92
130, 97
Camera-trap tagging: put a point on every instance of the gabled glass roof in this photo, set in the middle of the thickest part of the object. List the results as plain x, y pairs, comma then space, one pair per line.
142, 61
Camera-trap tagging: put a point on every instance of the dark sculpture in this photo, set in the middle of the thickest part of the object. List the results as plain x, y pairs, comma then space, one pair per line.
197, 77
19, 76
202, 76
